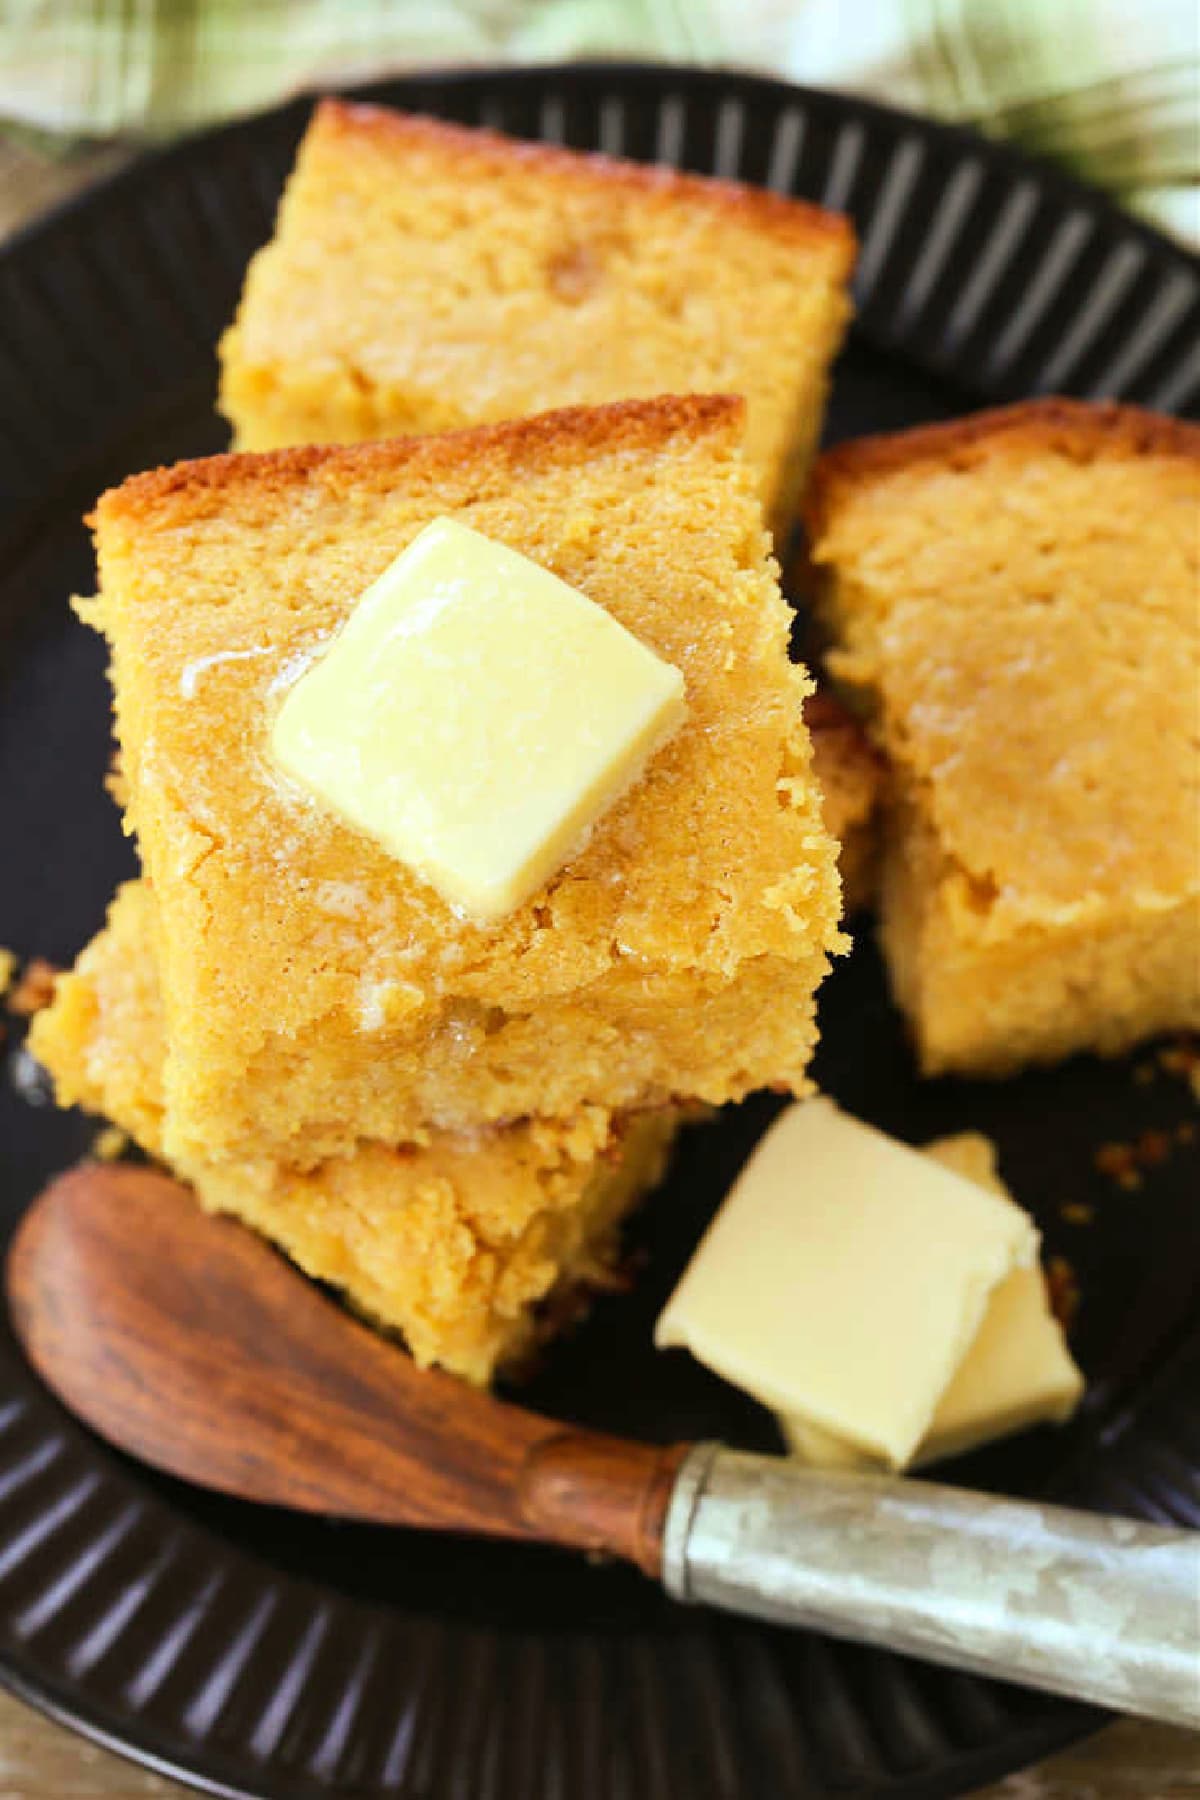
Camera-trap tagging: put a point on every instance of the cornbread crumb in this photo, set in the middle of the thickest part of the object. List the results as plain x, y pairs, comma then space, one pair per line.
34, 990
1077, 1212
1182, 1059
426, 276
115, 784
466, 1246
110, 1143
1119, 1163
1063, 1285
1125, 1163
1153, 1147
316, 992
1014, 600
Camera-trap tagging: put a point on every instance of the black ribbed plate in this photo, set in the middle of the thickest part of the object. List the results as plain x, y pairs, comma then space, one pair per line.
269, 1655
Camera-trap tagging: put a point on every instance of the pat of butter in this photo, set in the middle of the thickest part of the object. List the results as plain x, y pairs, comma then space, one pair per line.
476, 715
844, 1278
1017, 1372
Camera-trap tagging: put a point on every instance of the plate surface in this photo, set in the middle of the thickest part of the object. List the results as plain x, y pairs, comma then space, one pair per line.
263, 1654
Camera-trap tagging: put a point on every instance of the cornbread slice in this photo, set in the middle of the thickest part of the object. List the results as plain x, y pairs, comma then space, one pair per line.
468, 1246
315, 991
1015, 597
424, 276
849, 772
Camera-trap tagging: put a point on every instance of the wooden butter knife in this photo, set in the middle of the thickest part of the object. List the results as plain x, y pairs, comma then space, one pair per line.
187, 1342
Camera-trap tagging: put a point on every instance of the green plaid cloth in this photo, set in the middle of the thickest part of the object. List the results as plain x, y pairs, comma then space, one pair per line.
1110, 88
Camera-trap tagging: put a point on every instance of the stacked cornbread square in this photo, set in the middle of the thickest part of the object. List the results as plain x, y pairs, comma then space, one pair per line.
445, 1117
1014, 600
465, 1245
423, 276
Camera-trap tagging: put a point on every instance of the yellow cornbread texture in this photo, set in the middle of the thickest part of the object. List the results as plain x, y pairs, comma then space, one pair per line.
1016, 1372
475, 715
466, 1246
850, 774
1015, 599
424, 276
315, 992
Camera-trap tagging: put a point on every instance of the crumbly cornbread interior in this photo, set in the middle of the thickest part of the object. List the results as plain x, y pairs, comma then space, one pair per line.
851, 775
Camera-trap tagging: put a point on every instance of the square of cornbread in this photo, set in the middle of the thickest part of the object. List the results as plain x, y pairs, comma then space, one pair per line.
316, 992
470, 1246
426, 276
1015, 599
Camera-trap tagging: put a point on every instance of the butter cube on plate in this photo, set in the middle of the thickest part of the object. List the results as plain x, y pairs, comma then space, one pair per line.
1017, 1370
475, 715
844, 1278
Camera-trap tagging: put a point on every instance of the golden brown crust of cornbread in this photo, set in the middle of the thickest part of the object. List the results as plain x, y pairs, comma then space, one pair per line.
675, 956
179, 492
458, 1245
1079, 429
477, 149
424, 277
1015, 596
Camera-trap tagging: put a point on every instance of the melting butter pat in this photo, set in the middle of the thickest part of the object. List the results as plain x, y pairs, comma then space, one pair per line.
476, 715
1017, 1371
844, 1279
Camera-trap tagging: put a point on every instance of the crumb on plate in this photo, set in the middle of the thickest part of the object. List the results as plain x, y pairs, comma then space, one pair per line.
35, 989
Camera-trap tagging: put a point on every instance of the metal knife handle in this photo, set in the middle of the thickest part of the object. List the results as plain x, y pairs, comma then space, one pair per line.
1102, 1609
